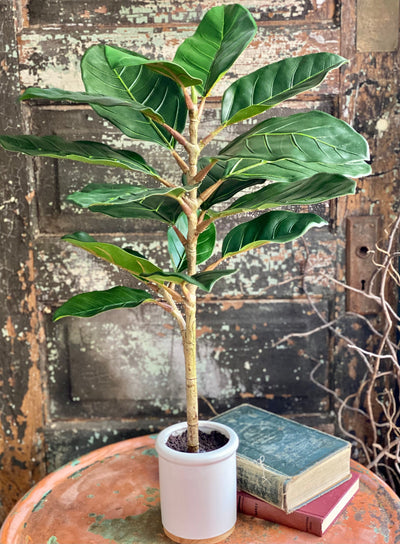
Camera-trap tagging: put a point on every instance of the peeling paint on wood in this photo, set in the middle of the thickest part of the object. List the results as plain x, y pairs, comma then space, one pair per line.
51, 58
123, 12
21, 399
235, 350
104, 505
260, 275
372, 17
42, 363
56, 179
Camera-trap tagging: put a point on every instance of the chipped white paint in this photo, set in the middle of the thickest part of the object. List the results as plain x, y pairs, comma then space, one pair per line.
382, 126
59, 65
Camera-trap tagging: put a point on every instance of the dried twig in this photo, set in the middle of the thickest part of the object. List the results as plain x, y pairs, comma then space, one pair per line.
370, 416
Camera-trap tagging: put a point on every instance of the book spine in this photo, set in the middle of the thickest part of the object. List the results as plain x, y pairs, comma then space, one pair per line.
252, 506
256, 478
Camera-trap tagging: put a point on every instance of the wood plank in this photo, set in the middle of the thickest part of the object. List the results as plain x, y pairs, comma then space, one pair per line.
55, 180
273, 270
69, 440
140, 377
50, 57
372, 17
148, 12
369, 103
21, 397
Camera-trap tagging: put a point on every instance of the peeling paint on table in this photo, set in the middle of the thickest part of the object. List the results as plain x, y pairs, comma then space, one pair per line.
113, 498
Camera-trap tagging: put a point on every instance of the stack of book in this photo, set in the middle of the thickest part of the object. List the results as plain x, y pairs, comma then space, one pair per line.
290, 473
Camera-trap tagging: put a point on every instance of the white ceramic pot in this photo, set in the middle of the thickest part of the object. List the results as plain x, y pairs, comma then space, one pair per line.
198, 490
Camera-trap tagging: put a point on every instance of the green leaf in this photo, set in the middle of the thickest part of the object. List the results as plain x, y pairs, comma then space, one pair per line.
205, 244
318, 188
222, 35
83, 151
128, 260
132, 261
86, 98
139, 85
203, 280
130, 201
256, 92
314, 136
240, 174
119, 58
208, 279
95, 302
276, 226
171, 277
233, 184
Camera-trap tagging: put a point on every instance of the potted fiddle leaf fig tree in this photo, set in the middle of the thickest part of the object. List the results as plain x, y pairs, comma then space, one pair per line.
301, 159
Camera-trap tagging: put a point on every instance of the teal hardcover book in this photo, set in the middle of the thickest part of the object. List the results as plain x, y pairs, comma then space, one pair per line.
284, 462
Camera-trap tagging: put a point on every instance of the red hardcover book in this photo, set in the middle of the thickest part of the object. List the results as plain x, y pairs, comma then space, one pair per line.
314, 517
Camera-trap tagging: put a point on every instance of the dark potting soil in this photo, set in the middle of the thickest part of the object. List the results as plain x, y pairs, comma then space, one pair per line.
207, 441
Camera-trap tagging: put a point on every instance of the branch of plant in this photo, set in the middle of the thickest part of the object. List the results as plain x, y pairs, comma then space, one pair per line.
205, 141
165, 182
203, 172
214, 265
343, 404
185, 204
181, 163
384, 452
188, 99
175, 312
177, 135
182, 239
172, 294
381, 445
210, 191
376, 298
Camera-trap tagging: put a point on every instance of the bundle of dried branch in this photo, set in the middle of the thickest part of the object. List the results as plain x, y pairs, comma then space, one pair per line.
370, 415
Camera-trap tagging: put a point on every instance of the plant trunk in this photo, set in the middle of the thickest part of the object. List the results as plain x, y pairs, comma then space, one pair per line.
189, 346
189, 335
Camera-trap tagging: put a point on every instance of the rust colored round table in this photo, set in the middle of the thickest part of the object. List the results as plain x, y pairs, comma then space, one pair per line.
110, 496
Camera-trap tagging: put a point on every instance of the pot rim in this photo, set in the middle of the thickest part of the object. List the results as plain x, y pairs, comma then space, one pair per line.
204, 458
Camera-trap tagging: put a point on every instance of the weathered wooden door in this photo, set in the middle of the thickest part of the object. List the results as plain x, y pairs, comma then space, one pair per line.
76, 385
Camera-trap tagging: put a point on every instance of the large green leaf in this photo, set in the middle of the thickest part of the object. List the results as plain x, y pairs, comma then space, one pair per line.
95, 302
89, 152
133, 262
205, 244
242, 173
130, 201
314, 136
256, 92
118, 58
318, 188
137, 84
276, 226
222, 35
86, 98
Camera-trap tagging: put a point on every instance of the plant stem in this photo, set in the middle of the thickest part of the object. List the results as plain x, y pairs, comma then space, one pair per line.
189, 335
189, 348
